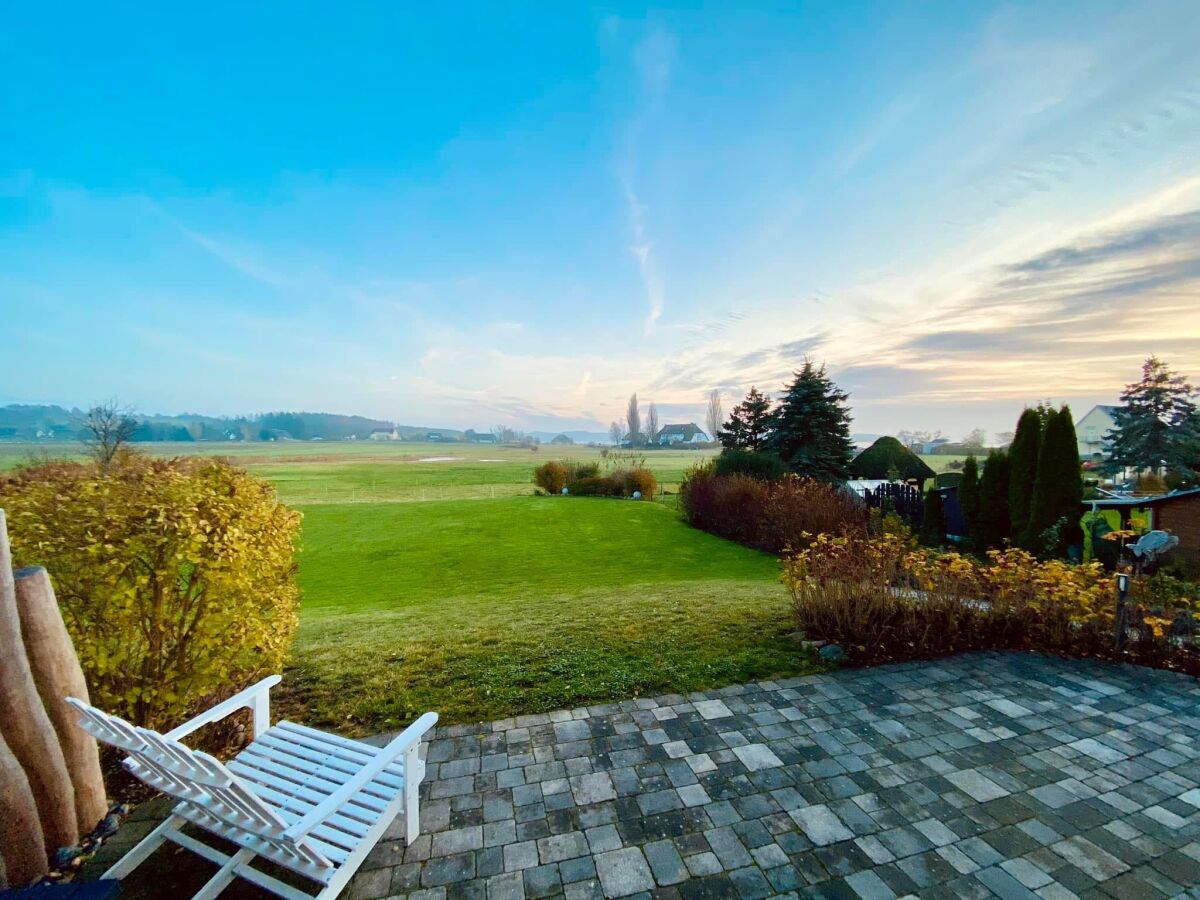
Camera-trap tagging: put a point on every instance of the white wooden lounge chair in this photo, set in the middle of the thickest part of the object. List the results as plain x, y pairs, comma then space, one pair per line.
309, 801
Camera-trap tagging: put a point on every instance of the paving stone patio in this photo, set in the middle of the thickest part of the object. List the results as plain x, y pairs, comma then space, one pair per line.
1009, 775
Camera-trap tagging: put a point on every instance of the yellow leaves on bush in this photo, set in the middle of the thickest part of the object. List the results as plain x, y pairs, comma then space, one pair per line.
896, 600
175, 577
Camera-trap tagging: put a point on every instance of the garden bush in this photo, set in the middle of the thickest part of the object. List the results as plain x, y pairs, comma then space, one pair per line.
751, 463
583, 479
796, 509
729, 506
768, 515
595, 486
636, 480
577, 470
882, 598
551, 477
175, 577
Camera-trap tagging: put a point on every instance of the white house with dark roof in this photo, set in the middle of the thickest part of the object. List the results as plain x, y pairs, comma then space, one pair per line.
1091, 428
682, 434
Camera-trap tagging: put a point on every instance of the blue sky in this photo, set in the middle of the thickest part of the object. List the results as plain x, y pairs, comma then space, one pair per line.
476, 214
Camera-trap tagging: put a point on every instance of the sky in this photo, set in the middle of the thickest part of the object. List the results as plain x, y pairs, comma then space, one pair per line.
477, 214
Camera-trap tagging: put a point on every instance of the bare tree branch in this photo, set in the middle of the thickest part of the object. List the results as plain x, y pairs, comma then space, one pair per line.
107, 427
714, 416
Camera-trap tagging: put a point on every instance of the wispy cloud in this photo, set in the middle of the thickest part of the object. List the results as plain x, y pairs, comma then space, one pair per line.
653, 57
643, 250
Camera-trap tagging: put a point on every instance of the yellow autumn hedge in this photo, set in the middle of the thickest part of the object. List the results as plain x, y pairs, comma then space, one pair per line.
175, 577
883, 598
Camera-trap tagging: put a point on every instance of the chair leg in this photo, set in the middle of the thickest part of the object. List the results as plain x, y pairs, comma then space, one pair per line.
145, 847
413, 771
224, 875
412, 813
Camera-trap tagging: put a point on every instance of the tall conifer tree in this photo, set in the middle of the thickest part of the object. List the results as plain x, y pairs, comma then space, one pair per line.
1157, 424
968, 496
1058, 487
811, 427
749, 423
1022, 469
994, 527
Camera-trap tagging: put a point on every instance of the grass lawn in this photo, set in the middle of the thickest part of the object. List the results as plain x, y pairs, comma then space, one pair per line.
483, 600
482, 609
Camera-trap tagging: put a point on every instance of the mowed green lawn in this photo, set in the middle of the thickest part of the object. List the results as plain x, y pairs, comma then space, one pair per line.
487, 608
433, 583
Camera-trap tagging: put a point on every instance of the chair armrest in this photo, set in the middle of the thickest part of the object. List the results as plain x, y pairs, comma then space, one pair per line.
255, 697
407, 740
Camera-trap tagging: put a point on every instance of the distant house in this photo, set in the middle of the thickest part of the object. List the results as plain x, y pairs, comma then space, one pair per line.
384, 434
1090, 430
483, 437
561, 439
928, 448
434, 436
682, 434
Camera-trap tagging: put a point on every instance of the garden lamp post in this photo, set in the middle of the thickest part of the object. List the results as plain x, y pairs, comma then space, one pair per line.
1122, 593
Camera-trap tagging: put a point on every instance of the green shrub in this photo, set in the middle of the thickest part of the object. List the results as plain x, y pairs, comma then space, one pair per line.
751, 463
551, 477
175, 577
595, 486
577, 470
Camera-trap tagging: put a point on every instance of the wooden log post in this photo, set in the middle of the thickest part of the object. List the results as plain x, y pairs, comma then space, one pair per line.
21, 841
57, 674
24, 724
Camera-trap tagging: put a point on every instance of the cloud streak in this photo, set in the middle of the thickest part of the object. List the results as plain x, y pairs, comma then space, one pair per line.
653, 56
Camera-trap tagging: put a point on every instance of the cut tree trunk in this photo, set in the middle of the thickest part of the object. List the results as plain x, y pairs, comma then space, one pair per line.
57, 674
21, 841
24, 723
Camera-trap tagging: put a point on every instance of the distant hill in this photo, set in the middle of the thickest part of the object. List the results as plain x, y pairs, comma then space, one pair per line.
579, 437
21, 422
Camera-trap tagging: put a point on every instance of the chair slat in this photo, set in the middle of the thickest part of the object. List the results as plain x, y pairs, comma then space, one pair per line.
286, 766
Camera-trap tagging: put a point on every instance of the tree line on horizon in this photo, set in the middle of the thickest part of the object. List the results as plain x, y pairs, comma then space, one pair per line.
21, 422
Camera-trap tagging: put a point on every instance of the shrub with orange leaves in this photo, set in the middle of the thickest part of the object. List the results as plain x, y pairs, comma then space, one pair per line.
883, 598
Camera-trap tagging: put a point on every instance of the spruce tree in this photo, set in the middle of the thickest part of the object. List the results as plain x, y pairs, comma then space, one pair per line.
968, 496
1157, 424
1022, 469
933, 521
749, 423
993, 528
811, 427
1057, 488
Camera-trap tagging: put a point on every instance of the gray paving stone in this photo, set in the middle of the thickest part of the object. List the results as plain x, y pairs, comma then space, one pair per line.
595, 787
520, 856
704, 864
665, 863
820, 825
623, 872
558, 847
756, 757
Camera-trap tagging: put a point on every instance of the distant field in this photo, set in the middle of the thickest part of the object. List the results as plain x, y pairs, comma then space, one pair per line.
308, 473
